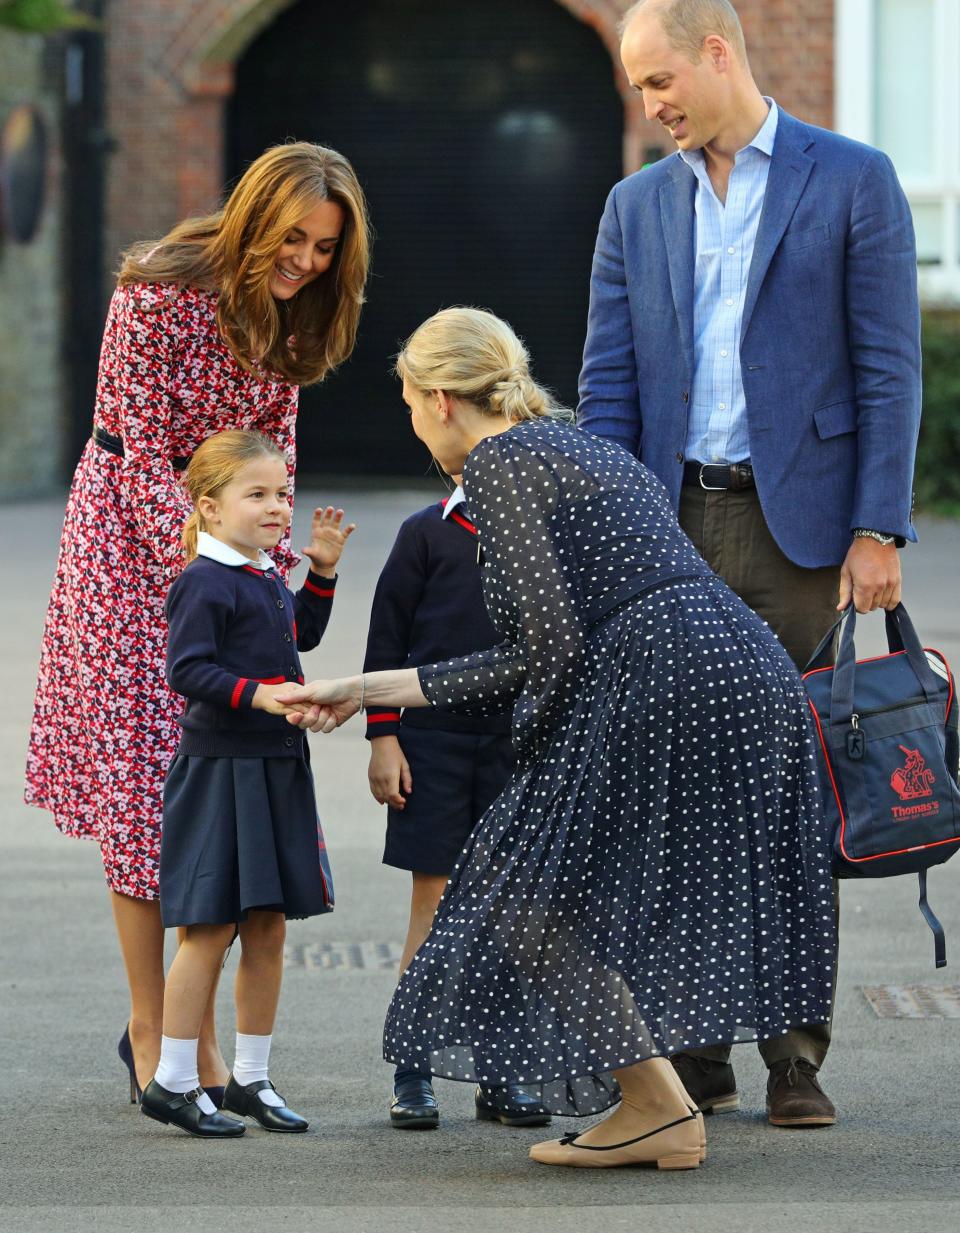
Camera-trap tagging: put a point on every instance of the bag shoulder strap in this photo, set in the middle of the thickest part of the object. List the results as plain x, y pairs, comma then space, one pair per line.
939, 941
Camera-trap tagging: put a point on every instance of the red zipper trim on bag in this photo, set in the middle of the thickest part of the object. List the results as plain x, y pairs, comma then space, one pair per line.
918, 847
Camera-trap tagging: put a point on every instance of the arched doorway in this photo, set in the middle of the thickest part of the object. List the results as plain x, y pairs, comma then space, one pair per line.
486, 136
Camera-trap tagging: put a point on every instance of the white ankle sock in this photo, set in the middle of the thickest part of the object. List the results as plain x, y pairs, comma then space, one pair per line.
178, 1071
251, 1064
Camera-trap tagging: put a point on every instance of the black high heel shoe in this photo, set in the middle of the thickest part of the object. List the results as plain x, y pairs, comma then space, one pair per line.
125, 1050
181, 1109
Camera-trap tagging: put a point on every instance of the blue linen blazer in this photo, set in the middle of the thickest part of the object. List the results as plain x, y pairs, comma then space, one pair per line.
829, 347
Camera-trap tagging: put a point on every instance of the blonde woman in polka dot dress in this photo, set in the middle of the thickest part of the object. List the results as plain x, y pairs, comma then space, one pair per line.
655, 876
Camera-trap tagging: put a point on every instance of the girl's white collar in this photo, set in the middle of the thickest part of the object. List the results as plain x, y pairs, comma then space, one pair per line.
217, 550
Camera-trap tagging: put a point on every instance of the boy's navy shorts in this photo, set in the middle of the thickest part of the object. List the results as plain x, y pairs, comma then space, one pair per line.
456, 777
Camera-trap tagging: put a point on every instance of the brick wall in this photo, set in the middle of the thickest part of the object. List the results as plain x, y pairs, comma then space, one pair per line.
790, 46
169, 71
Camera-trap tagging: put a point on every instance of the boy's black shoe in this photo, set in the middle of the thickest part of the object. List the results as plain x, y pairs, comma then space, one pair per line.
414, 1105
509, 1105
246, 1101
181, 1109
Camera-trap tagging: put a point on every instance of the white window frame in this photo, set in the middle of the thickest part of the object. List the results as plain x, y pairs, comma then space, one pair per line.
854, 85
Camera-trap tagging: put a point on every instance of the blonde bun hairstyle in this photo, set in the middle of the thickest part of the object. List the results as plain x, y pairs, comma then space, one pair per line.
474, 356
215, 463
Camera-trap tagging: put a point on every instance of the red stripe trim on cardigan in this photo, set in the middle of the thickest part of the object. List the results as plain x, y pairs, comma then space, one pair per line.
238, 690
321, 591
252, 569
464, 522
271, 680
386, 717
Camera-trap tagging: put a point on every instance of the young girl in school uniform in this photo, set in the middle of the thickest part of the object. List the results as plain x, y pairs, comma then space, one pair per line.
437, 772
242, 848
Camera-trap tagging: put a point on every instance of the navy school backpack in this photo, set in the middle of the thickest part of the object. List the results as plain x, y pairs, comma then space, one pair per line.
888, 757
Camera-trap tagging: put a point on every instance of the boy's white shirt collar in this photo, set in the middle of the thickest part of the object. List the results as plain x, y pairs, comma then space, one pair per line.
217, 550
458, 498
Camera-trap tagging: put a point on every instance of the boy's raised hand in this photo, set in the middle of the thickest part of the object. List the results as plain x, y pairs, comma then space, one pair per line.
327, 538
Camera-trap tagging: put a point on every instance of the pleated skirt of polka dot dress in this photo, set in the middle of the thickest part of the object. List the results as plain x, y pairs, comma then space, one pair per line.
657, 880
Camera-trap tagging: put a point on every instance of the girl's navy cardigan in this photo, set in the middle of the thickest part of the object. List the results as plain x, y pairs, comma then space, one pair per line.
428, 607
232, 628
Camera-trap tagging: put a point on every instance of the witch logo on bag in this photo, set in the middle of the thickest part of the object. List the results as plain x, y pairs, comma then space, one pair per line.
914, 779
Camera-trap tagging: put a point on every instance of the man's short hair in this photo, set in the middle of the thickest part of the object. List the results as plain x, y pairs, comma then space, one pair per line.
687, 23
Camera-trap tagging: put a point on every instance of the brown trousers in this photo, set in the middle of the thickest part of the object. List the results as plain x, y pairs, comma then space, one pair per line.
731, 533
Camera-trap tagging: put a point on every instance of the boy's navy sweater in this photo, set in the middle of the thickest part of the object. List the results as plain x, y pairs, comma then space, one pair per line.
232, 628
428, 607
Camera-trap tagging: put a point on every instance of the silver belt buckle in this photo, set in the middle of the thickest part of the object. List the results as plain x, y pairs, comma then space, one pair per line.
710, 487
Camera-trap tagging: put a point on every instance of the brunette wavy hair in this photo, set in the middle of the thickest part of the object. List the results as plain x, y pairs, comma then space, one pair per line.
233, 252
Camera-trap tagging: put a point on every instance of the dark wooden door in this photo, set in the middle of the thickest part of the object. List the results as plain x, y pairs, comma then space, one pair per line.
486, 136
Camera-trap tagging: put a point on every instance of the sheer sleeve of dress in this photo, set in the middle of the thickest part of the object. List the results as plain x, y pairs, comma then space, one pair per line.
530, 585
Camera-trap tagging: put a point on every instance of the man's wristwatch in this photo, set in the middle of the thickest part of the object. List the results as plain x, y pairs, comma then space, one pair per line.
864, 533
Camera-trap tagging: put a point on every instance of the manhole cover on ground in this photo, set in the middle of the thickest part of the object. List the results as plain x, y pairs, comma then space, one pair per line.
914, 1001
347, 956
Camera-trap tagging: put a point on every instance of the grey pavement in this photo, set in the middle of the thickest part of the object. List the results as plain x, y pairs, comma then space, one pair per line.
77, 1156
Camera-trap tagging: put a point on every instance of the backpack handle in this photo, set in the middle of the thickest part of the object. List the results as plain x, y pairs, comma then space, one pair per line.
901, 636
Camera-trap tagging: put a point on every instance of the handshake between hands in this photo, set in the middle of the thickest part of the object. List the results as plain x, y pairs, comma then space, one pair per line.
320, 706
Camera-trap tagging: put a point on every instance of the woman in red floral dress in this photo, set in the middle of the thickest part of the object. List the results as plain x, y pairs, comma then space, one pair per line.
216, 326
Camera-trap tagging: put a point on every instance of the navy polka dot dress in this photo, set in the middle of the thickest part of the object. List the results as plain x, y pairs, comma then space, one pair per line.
655, 876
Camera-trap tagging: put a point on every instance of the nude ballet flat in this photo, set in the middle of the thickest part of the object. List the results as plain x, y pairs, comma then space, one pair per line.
701, 1130
674, 1146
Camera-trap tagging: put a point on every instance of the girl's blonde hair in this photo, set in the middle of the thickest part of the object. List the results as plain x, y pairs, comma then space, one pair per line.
215, 463
233, 253
473, 355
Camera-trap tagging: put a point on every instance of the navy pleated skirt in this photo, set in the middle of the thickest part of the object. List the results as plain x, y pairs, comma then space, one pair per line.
241, 833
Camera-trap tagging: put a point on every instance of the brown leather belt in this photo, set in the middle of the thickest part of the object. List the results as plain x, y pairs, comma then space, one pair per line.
719, 476
114, 445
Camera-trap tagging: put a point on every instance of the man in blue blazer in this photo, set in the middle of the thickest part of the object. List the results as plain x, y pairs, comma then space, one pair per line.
754, 338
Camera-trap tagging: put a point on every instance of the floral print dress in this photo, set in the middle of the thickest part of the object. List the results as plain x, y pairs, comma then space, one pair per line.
105, 721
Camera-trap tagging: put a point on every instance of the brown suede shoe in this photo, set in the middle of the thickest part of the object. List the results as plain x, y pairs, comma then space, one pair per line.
795, 1098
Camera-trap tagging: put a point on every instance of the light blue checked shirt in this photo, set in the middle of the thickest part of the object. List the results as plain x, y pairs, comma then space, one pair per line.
725, 235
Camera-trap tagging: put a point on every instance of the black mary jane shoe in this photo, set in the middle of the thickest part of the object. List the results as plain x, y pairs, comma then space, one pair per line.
246, 1102
181, 1109
414, 1105
510, 1105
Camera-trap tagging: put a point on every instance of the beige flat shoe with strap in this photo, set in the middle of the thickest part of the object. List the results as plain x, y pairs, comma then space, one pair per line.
674, 1146
701, 1131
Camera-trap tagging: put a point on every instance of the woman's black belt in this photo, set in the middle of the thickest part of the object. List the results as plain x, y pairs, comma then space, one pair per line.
114, 445
595, 618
